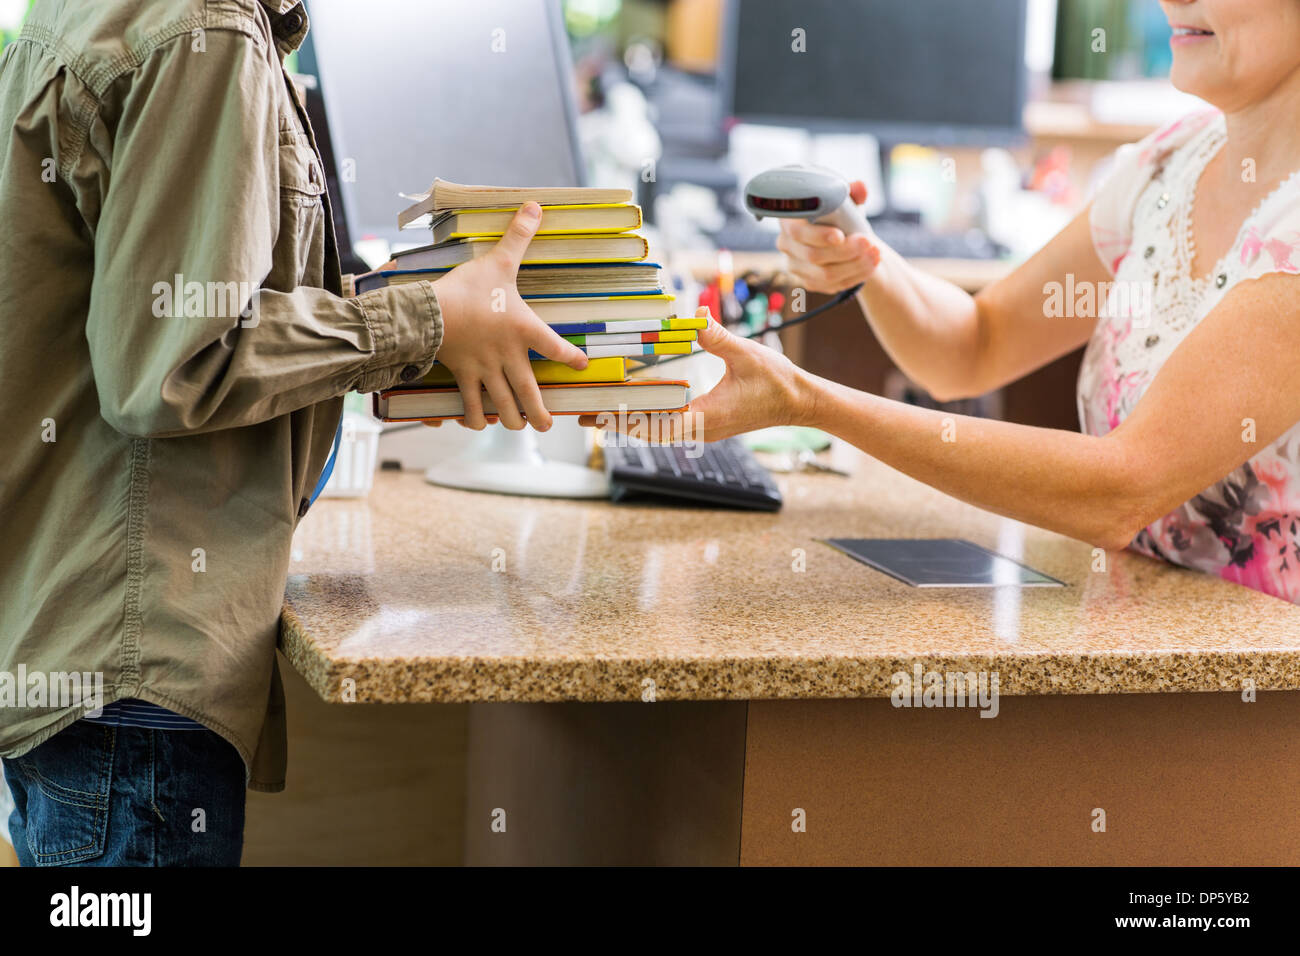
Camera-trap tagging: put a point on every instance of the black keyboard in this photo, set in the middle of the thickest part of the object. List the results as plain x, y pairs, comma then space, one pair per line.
720, 473
910, 240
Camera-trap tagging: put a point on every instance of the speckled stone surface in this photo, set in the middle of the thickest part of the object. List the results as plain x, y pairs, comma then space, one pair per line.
421, 593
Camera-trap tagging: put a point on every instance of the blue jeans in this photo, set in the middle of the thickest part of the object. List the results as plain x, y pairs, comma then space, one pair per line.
95, 795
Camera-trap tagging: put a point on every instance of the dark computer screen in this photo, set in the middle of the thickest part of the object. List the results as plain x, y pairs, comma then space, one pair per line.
926, 70
475, 92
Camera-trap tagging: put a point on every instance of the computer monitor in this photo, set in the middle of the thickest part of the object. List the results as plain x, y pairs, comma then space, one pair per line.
477, 92
936, 72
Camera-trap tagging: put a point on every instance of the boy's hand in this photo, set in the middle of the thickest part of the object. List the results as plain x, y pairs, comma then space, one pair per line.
488, 330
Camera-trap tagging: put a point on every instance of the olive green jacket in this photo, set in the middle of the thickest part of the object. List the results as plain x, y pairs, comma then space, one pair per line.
174, 345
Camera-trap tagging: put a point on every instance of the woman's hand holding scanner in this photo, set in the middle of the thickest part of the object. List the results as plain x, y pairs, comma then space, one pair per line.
822, 258
488, 330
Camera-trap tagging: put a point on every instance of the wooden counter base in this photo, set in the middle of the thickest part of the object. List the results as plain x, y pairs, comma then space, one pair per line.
1183, 779
605, 784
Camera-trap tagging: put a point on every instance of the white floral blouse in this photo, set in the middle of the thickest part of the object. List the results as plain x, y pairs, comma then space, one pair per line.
1245, 527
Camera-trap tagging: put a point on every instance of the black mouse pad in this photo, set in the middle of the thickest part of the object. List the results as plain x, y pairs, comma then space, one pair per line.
941, 563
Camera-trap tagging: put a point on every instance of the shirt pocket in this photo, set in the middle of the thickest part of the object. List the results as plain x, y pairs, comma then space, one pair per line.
64, 803
300, 245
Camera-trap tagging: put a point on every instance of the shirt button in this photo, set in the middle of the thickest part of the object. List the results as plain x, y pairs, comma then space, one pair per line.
303, 506
410, 373
1148, 252
1221, 280
1152, 340
1163, 201
291, 22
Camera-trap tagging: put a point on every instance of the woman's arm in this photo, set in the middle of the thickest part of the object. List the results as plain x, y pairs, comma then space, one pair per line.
952, 344
1232, 379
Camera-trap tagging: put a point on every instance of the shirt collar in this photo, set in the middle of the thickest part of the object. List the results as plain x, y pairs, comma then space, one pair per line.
288, 22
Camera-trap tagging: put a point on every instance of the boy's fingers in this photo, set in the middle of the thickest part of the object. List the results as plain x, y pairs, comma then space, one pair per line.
524, 385
554, 346
504, 399
472, 394
520, 232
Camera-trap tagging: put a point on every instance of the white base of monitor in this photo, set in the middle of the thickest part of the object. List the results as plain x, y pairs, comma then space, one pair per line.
510, 463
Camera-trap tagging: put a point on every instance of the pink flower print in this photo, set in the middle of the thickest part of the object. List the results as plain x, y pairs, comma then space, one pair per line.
1114, 391
1113, 244
1281, 253
1268, 571
1272, 473
1279, 250
1113, 334
1113, 388
1251, 246
1196, 120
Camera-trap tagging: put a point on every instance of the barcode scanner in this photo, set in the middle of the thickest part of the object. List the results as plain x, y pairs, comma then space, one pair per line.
814, 193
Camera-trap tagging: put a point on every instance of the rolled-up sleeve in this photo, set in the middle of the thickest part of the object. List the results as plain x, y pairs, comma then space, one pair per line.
191, 201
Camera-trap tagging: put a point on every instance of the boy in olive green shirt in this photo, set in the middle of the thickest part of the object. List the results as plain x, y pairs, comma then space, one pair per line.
174, 350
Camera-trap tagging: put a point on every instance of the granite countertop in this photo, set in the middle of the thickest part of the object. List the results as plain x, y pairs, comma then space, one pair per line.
420, 593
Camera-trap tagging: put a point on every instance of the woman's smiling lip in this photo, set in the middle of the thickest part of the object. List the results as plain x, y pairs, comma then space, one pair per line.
1186, 33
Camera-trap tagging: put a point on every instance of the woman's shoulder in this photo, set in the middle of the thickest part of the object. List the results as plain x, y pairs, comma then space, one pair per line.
1136, 164
1152, 153
1270, 238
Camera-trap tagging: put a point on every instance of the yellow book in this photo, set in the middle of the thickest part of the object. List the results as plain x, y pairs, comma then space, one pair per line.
609, 369
691, 323
556, 220
448, 195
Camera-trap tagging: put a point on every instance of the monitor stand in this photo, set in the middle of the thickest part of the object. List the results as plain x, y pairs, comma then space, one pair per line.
511, 463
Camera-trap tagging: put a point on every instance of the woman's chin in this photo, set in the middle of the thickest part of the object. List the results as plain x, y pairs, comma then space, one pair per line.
1187, 79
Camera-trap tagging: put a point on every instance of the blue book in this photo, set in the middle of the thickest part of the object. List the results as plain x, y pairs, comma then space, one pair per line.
567, 280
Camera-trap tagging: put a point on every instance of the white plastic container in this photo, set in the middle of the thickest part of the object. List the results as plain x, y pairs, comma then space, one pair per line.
354, 468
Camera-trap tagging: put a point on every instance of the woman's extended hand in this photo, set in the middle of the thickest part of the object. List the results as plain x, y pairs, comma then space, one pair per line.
488, 330
760, 388
822, 258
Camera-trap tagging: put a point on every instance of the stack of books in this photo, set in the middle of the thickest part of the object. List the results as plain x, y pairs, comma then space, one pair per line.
584, 274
